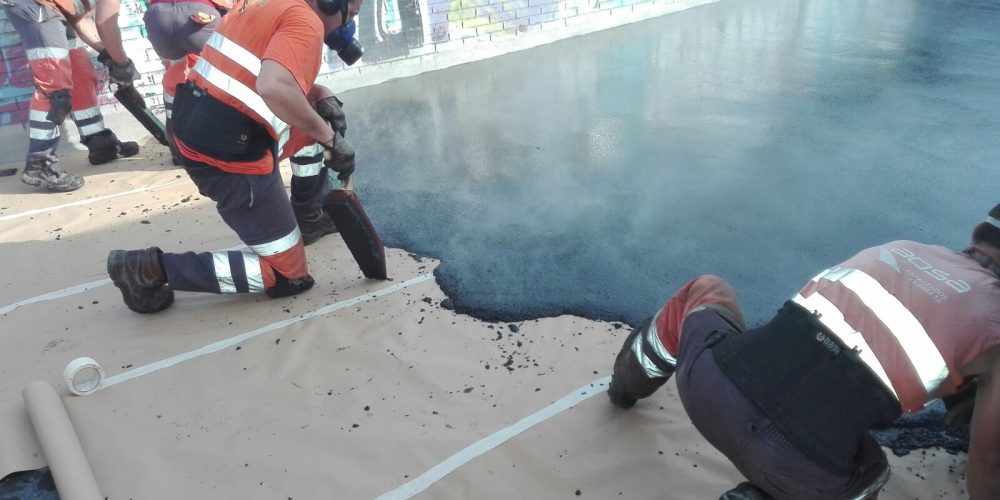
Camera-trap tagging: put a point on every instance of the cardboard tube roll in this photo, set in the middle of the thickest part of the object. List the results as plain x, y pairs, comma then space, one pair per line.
72, 474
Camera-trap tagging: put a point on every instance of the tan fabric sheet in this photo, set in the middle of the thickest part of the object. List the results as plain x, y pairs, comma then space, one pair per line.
351, 404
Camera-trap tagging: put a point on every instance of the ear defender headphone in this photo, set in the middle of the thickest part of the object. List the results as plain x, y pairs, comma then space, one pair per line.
332, 7
341, 40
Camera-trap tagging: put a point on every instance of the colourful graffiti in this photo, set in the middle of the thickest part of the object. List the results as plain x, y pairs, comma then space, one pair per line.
16, 85
390, 29
457, 19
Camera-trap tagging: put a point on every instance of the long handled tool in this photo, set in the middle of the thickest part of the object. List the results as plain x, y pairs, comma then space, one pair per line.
136, 105
359, 235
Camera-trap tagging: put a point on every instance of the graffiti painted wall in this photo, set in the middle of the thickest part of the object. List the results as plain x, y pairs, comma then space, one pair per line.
420, 33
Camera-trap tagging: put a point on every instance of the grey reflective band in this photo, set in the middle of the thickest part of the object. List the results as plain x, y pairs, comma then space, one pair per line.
46, 53
833, 320
42, 134
83, 114
279, 245
651, 337
223, 274
992, 221
308, 169
648, 365
924, 356
251, 266
235, 52
237, 89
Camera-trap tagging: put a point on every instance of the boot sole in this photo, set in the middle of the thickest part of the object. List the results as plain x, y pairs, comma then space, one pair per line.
116, 263
34, 181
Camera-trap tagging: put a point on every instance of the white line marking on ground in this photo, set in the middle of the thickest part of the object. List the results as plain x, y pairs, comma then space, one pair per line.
222, 344
486, 444
85, 202
58, 294
73, 290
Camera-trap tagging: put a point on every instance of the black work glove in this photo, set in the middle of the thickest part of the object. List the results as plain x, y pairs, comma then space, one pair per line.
121, 74
339, 157
959, 407
331, 109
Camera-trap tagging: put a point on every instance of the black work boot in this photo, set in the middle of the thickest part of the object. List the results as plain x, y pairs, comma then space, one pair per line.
307, 194
314, 225
283, 287
139, 275
104, 147
46, 171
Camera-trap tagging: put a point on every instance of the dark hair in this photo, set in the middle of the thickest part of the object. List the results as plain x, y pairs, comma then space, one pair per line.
987, 232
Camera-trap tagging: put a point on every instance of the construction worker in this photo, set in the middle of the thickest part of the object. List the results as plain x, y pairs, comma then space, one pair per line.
249, 102
790, 403
177, 30
55, 34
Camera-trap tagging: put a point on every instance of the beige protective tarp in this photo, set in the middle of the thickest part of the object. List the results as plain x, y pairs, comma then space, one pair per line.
359, 400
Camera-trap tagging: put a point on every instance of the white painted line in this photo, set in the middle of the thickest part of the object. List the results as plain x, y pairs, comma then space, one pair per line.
223, 344
73, 290
486, 444
58, 294
85, 202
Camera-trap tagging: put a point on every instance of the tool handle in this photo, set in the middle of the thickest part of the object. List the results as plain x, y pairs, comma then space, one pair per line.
348, 183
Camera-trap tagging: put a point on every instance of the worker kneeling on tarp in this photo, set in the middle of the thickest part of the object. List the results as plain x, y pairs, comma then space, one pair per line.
791, 403
250, 102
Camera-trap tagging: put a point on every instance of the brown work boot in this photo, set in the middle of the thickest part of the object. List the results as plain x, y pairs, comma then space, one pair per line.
315, 225
46, 171
139, 275
104, 147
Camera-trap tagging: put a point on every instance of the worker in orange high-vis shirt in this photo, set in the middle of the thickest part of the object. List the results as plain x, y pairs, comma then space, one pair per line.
791, 402
177, 30
55, 34
250, 102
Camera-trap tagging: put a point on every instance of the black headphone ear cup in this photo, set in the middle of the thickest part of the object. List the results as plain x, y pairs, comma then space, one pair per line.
331, 7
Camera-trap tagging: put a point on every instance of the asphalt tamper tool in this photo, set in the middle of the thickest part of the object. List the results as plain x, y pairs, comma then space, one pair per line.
344, 207
129, 97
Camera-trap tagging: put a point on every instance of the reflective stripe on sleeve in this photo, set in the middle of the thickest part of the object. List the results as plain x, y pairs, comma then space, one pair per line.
277, 246
911, 335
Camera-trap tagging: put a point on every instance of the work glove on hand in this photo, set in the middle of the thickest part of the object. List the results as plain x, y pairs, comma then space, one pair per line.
331, 109
121, 74
339, 157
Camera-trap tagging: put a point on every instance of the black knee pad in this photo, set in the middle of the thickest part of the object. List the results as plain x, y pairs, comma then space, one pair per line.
60, 104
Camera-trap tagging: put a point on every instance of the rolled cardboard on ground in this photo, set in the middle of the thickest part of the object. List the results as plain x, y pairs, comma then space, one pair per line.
72, 474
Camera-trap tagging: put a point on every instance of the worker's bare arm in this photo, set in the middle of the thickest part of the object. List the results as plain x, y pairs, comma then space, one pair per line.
282, 94
106, 15
87, 31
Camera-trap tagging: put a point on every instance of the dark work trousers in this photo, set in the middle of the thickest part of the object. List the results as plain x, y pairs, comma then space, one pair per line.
257, 208
733, 425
